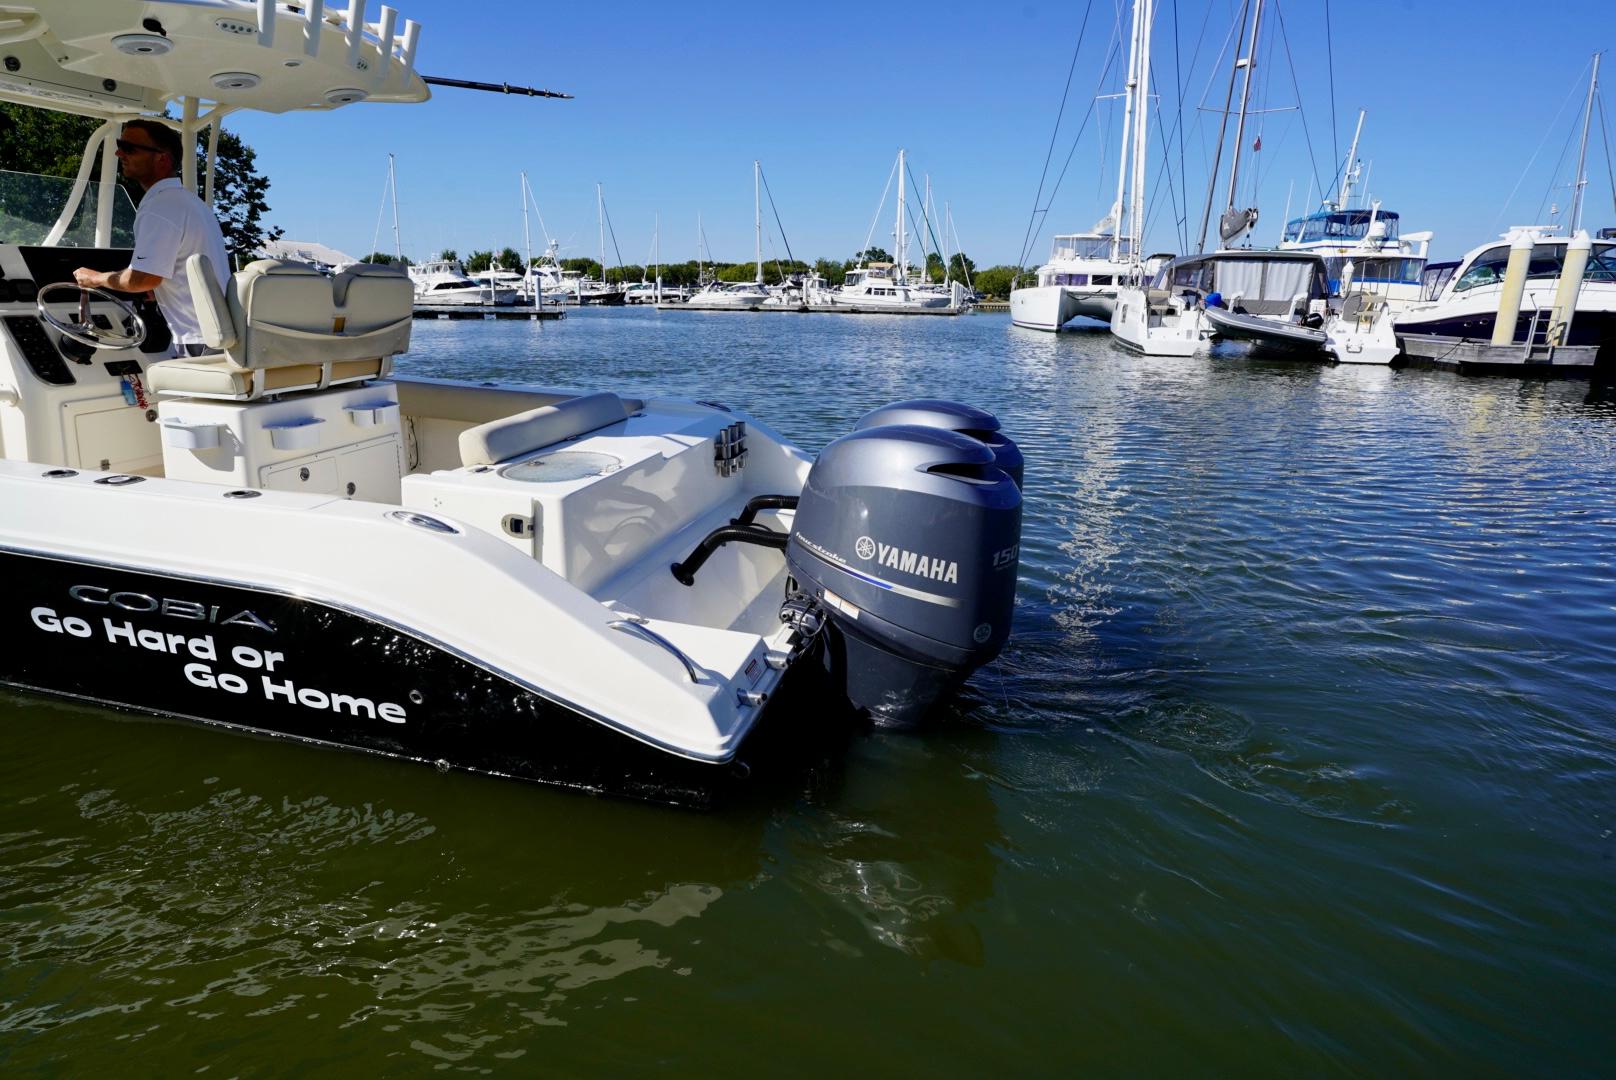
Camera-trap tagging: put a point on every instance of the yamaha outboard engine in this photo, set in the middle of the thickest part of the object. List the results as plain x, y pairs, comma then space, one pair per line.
907, 540
951, 416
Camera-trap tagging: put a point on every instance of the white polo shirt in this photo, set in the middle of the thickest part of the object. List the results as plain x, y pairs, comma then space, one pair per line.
171, 225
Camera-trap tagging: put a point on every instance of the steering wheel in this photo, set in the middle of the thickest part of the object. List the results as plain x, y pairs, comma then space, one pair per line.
83, 330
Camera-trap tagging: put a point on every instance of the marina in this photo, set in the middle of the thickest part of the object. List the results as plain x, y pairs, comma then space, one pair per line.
1197, 661
486, 311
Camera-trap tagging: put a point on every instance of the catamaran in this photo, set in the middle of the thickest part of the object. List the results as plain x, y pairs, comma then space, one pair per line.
594, 588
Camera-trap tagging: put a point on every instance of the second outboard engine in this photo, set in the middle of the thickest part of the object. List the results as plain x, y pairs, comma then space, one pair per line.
907, 539
979, 424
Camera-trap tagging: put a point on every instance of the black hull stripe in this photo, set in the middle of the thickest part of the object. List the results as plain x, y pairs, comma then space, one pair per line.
288, 666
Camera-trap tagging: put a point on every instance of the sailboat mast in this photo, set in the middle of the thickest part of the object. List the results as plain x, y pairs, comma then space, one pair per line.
903, 253
1582, 155
1223, 127
1349, 171
1125, 147
1245, 100
1141, 115
600, 223
757, 217
527, 237
392, 185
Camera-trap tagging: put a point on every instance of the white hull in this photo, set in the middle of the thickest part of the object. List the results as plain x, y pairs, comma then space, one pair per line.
1178, 333
1050, 307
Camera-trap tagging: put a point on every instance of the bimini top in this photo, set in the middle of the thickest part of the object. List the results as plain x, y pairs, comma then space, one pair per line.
119, 58
1341, 226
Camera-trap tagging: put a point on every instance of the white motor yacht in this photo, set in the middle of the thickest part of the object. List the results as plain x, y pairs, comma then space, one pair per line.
594, 588
729, 296
444, 282
1564, 295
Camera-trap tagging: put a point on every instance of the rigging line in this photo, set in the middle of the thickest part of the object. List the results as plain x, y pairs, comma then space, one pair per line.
1034, 218
1575, 86
1166, 171
1548, 194
1297, 86
936, 246
1329, 54
1026, 241
607, 214
1061, 112
871, 234
380, 210
776, 212
1604, 132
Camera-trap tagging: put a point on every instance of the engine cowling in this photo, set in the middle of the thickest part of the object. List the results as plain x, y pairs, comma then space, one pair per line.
979, 424
908, 538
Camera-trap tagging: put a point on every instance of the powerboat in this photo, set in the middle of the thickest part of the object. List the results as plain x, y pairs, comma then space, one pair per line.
601, 589
444, 282
1559, 304
1362, 249
728, 296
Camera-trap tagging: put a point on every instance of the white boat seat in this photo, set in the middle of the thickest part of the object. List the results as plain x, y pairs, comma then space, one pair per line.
282, 326
513, 436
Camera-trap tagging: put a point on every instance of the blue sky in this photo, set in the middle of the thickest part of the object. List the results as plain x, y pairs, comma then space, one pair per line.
1467, 131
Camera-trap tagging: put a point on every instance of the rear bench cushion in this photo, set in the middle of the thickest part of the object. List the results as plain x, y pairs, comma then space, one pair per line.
512, 436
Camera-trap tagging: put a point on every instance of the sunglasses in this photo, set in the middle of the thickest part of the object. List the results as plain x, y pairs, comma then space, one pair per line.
133, 147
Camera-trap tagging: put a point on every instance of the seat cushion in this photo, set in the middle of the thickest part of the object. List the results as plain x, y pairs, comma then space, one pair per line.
213, 375
512, 436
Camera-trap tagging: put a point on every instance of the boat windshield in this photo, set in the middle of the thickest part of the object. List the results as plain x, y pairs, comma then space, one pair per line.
30, 206
1435, 278
1089, 247
1339, 226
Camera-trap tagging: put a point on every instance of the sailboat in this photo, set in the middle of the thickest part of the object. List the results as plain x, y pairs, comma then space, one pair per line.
1275, 300
1085, 270
886, 286
718, 295
600, 292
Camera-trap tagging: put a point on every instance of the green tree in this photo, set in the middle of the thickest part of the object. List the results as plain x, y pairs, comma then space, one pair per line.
834, 273
449, 255
382, 258
872, 255
479, 261
934, 266
994, 282
960, 267
240, 201
508, 259
588, 267
52, 144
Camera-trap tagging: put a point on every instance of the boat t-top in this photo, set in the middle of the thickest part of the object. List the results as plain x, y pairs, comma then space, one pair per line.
589, 587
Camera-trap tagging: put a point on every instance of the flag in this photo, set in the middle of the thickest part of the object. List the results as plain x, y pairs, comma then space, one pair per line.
1257, 145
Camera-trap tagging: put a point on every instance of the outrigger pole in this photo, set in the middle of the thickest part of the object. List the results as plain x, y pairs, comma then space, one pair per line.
493, 88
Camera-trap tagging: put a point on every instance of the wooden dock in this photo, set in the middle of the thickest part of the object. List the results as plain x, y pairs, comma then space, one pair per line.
485, 311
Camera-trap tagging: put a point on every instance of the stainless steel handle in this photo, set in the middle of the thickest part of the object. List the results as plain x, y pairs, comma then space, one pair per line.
656, 639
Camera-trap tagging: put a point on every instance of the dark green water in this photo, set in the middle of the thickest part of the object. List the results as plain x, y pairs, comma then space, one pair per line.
1302, 761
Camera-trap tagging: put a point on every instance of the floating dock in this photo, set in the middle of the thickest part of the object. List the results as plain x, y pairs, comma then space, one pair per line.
485, 311
1473, 357
818, 309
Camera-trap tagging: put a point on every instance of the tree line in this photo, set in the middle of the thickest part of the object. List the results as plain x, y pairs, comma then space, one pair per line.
993, 282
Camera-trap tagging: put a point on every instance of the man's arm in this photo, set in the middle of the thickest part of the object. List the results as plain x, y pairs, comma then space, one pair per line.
128, 280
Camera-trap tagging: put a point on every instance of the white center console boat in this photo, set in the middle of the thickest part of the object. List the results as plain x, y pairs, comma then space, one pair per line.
588, 588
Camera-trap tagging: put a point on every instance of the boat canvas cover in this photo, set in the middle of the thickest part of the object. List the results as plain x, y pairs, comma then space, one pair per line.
1266, 279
